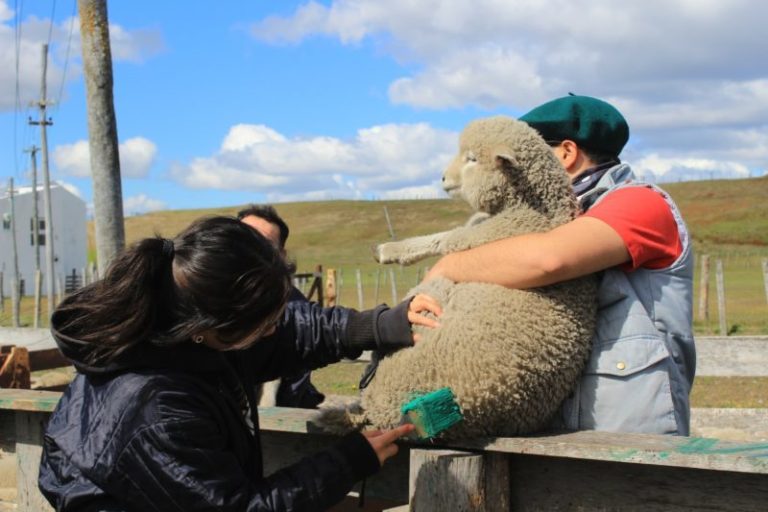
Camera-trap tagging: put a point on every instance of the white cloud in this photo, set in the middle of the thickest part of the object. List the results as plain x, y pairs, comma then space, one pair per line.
136, 158
656, 168
380, 158
33, 32
73, 159
688, 74
135, 205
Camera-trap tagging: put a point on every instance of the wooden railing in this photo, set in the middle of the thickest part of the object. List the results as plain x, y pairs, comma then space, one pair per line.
558, 471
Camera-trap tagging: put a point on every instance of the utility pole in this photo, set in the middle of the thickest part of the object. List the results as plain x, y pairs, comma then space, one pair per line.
15, 288
35, 236
50, 278
102, 130
35, 216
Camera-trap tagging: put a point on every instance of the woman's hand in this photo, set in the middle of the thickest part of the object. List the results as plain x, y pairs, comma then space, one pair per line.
419, 305
383, 441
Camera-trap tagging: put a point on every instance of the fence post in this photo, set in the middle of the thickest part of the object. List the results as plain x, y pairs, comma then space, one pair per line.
359, 279
721, 298
704, 289
38, 293
330, 287
455, 480
376, 287
393, 285
765, 278
2, 295
15, 301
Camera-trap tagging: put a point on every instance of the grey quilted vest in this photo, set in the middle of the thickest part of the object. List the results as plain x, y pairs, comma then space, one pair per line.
641, 368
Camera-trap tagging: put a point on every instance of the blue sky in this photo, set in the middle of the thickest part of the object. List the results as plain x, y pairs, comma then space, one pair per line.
225, 103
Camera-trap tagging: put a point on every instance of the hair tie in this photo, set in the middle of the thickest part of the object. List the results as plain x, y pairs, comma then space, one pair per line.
167, 248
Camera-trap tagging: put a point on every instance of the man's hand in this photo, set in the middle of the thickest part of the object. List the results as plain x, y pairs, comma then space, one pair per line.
420, 304
383, 441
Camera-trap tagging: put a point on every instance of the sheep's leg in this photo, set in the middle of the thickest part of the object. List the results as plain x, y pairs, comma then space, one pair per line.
409, 250
417, 248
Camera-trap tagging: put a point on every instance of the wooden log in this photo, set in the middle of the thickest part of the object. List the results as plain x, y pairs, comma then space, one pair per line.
330, 287
14, 367
456, 480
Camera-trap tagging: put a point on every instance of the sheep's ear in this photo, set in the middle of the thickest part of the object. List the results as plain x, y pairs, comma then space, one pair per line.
505, 161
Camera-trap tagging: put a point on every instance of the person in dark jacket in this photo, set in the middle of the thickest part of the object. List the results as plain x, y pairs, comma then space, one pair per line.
168, 347
292, 390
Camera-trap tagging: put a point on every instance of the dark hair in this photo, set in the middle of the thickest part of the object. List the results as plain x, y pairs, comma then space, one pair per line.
269, 214
218, 275
597, 157
600, 157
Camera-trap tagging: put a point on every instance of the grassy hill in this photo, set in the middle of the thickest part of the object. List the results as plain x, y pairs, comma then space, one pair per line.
728, 219
724, 216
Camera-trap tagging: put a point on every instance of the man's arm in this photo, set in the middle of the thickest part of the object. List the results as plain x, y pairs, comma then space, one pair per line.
578, 248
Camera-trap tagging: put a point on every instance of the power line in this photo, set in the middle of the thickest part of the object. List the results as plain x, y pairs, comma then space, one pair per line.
17, 9
66, 57
50, 25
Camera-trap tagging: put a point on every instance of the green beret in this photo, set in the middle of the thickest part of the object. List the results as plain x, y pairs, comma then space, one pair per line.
589, 122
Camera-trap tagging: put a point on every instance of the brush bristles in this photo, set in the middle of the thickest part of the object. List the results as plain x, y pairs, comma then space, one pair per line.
432, 413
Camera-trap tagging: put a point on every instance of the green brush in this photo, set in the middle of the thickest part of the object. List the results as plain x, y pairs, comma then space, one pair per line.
432, 413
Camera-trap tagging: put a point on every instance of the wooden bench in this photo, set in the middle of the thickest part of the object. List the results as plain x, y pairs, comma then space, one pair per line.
570, 471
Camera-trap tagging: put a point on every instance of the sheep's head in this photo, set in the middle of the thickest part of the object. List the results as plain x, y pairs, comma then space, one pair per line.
501, 161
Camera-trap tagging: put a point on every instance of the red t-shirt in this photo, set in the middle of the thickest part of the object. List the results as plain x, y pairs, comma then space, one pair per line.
643, 219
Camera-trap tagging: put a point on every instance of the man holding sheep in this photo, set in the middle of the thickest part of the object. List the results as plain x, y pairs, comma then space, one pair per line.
639, 374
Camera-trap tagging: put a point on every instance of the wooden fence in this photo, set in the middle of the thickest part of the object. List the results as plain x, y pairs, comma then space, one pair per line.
553, 471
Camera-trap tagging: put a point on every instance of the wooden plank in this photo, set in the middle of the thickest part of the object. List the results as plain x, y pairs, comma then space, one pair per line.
561, 484
730, 424
28, 400
655, 450
32, 339
281, 449
29, 448
720, 356
457, 480
47, 359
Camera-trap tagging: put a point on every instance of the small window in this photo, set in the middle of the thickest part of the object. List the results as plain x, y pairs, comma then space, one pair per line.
6, 221
40, 231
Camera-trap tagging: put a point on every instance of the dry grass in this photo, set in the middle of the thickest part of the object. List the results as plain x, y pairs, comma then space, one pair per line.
741, 392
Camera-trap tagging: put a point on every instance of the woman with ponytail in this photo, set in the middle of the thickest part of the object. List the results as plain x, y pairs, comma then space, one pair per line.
168, 348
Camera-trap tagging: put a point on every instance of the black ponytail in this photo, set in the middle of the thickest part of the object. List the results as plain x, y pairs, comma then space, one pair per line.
217, 274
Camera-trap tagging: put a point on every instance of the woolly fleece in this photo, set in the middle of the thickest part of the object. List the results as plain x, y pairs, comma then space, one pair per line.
510, 356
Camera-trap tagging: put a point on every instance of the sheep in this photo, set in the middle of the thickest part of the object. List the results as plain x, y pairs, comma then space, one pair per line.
509, 356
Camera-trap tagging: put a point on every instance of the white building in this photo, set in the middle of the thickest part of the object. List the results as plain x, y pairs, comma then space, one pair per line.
70, 243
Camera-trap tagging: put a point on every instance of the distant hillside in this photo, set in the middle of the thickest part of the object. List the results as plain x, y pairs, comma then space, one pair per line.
725, 212
724, 215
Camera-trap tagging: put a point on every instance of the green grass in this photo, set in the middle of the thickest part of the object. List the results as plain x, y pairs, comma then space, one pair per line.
728, 219
742, 392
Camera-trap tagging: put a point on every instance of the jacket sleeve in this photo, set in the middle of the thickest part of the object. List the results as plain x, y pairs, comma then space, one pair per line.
185, 466
311, 337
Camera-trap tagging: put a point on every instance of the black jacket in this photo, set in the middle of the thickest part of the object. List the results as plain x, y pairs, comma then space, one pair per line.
164, 428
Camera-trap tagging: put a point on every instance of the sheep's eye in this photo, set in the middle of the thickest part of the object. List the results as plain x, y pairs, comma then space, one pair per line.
471, 157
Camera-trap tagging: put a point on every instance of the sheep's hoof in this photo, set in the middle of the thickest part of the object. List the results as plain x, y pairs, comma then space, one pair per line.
385, 254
